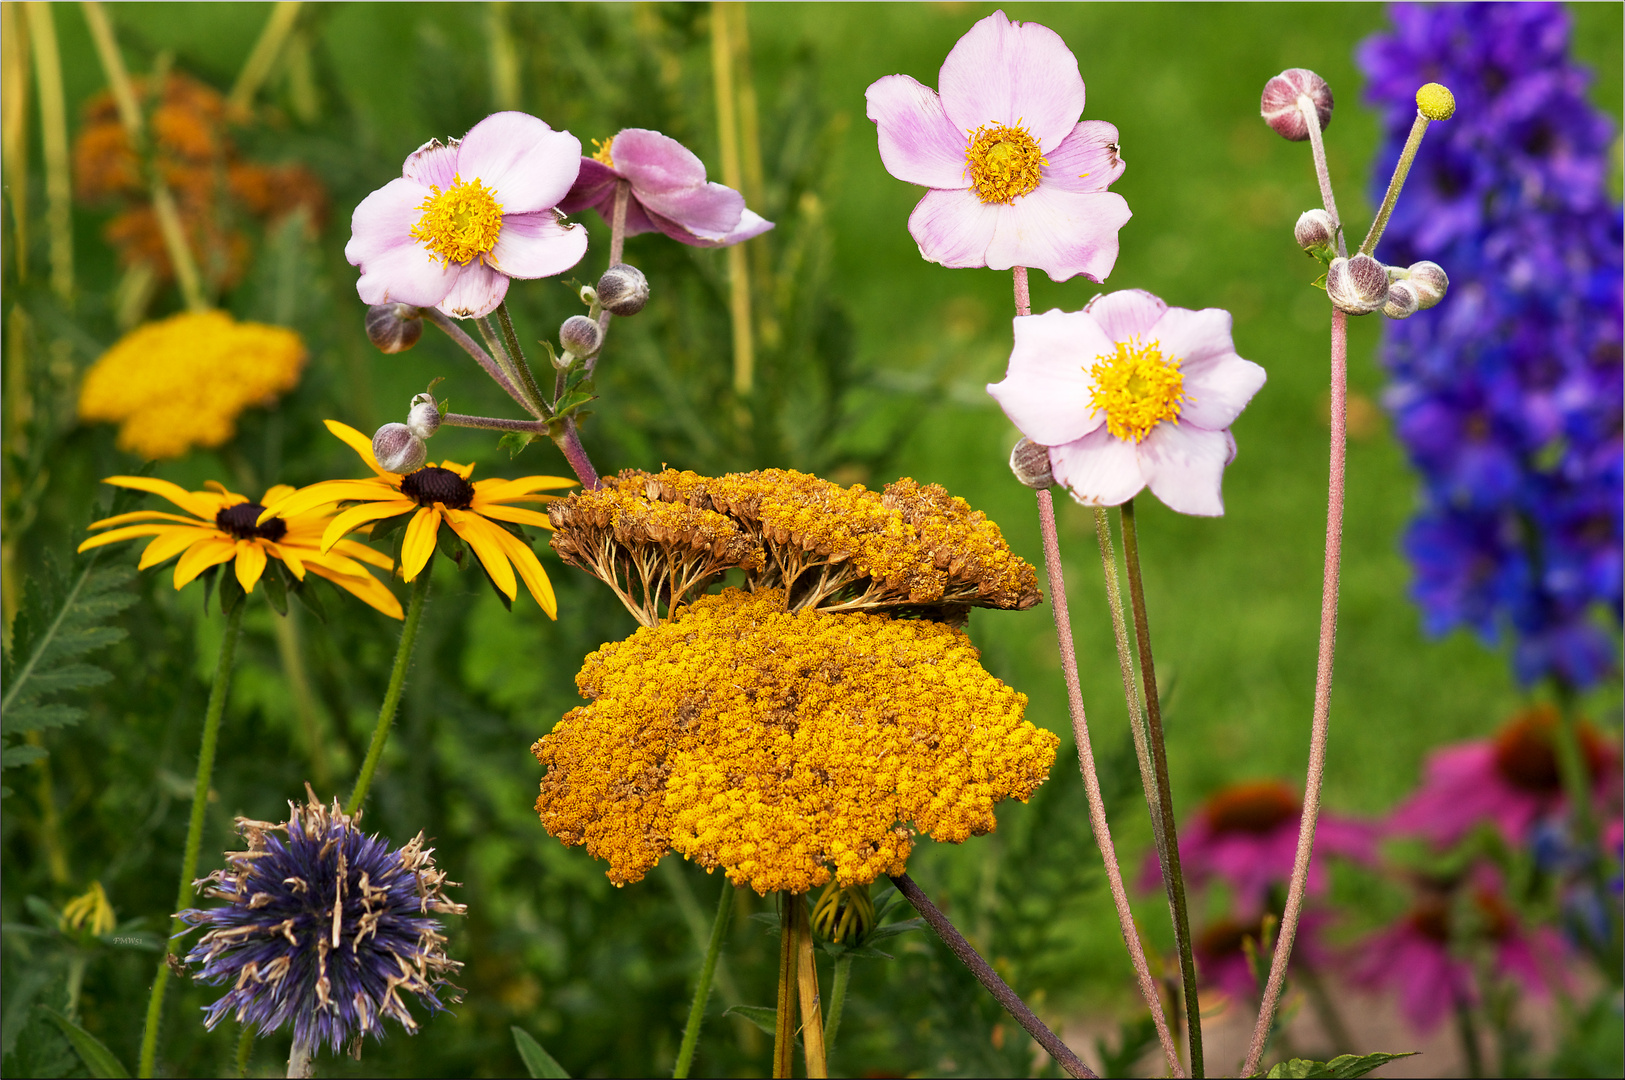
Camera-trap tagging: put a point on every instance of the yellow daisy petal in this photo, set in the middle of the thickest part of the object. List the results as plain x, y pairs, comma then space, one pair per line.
203, 505
275, 492
327, 493
515, 514
290, 555
356, 516
530, 569
202, 555
364, 553
250, 564
168, 545
366, 587
477, 532
418, 544
357, 442
141, 515
126, 533
498, 489
465, 471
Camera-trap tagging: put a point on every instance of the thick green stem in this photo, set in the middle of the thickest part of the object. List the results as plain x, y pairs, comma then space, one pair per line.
837, 999
708, 969
784, 1019
1172, 876
194, 830
392, 696
245, 1049
516, 355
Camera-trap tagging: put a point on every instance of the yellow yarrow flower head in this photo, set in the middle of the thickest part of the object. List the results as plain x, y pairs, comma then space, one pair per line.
788, 748
90, 912
182, 381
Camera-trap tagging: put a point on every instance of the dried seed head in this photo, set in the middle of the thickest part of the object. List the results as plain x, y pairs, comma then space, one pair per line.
1357, 286
424, 416
394, 327
1430, 282
581, 335
1280, 102
397, 449
623, 290
1030, 462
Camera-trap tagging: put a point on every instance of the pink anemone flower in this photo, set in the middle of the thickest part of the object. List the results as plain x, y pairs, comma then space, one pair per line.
1246, 835
1511, 782
668, 192
466, 216
1129, 393
1015, 178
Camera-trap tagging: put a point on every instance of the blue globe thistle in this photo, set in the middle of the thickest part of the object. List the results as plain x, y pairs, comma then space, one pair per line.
329, 930
1509, 398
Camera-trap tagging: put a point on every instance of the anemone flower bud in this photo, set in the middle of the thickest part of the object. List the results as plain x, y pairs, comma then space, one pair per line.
1030, 462
286, 901
623, 290
424, 417
394, 327
397, 449
1357, 286
1279, 104
1403, 300
581, 335
1316, 233
1430, 281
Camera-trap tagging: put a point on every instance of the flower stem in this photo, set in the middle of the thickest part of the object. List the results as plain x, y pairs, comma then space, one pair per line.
1173, 876
1323, 173
1571, 764
1321, 726
47, 60
245, 1049
302, 1058
392, 695
1091, 780
784, 1025
516, 357
812, 1013
1024, 298
1063, 1055
569, 443
1402, 169
494, 423
617, 227
837, 999
702, 992
194, 830
472, 348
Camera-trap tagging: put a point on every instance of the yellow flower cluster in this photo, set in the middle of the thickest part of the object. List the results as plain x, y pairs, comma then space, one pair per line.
910, 549
181, 382
785, 747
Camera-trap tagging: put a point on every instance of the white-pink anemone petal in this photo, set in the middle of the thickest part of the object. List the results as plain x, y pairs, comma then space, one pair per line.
517, 170
1015, 178
1177, 444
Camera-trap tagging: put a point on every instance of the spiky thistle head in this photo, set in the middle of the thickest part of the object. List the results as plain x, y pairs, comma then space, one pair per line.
323, 927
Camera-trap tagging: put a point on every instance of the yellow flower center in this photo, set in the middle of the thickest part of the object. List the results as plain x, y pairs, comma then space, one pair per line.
602, 153
1003, 162
461, 222
1137, 388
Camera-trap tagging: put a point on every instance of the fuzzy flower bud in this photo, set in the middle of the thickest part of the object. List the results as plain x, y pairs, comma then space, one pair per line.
1430, 282
424, 417
1357, 286
1030, 462
1279, 104
623, 290
394, 327
1402, 302
1316, 233
581, 335
397, 449
1436, 102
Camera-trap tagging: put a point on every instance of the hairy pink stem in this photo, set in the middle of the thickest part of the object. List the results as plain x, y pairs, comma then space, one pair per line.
569, 443
1024, 298
1091, 782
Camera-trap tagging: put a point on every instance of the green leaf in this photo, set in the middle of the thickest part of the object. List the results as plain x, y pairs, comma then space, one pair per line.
538, 1062
763, 1016
515, 441
1343, 1066
382, 530
231, 591
276, 588
97, 1057
572, 401
307, 595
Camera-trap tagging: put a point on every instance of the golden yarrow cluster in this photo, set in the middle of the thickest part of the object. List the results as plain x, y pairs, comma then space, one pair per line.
910, 549
182, 381
785, 746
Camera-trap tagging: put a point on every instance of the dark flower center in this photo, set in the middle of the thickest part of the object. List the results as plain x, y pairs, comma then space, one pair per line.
239, 522
1255, 807
1526, 755
1431, 919
432, 484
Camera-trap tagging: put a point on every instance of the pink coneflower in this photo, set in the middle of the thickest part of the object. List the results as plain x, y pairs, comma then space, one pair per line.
1130, 393
1510, 781
1015, 179
668, 192
1246, 836
466, 216
1221, 956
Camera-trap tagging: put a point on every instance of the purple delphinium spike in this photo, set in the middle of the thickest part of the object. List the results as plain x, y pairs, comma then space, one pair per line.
668, 192
328, 930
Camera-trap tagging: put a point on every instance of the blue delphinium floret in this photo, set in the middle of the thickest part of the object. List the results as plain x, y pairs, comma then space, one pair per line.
324, 928
1509, 400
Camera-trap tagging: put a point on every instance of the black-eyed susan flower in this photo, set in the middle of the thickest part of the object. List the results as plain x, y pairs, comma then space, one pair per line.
435, 494
226, 527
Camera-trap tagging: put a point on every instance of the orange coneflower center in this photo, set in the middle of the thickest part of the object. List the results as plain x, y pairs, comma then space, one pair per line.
239, 521
432, 484
1526, 757
1255, 807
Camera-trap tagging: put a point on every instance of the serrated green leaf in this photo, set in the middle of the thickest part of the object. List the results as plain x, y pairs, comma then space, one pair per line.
13, 756
68, 677
32, 717
97, 1058
538, 1062
515, 442
1343, 1067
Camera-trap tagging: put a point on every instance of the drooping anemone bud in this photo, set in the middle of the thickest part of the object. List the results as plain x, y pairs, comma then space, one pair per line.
1430, 282
1316, 233
1030, 462
580, 335
394, 327
397, 449
623, 290
1402, 301
1279, 104
1357, 286
423, 419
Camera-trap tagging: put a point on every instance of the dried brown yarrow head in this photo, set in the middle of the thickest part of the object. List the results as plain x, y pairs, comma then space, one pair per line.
661, 539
